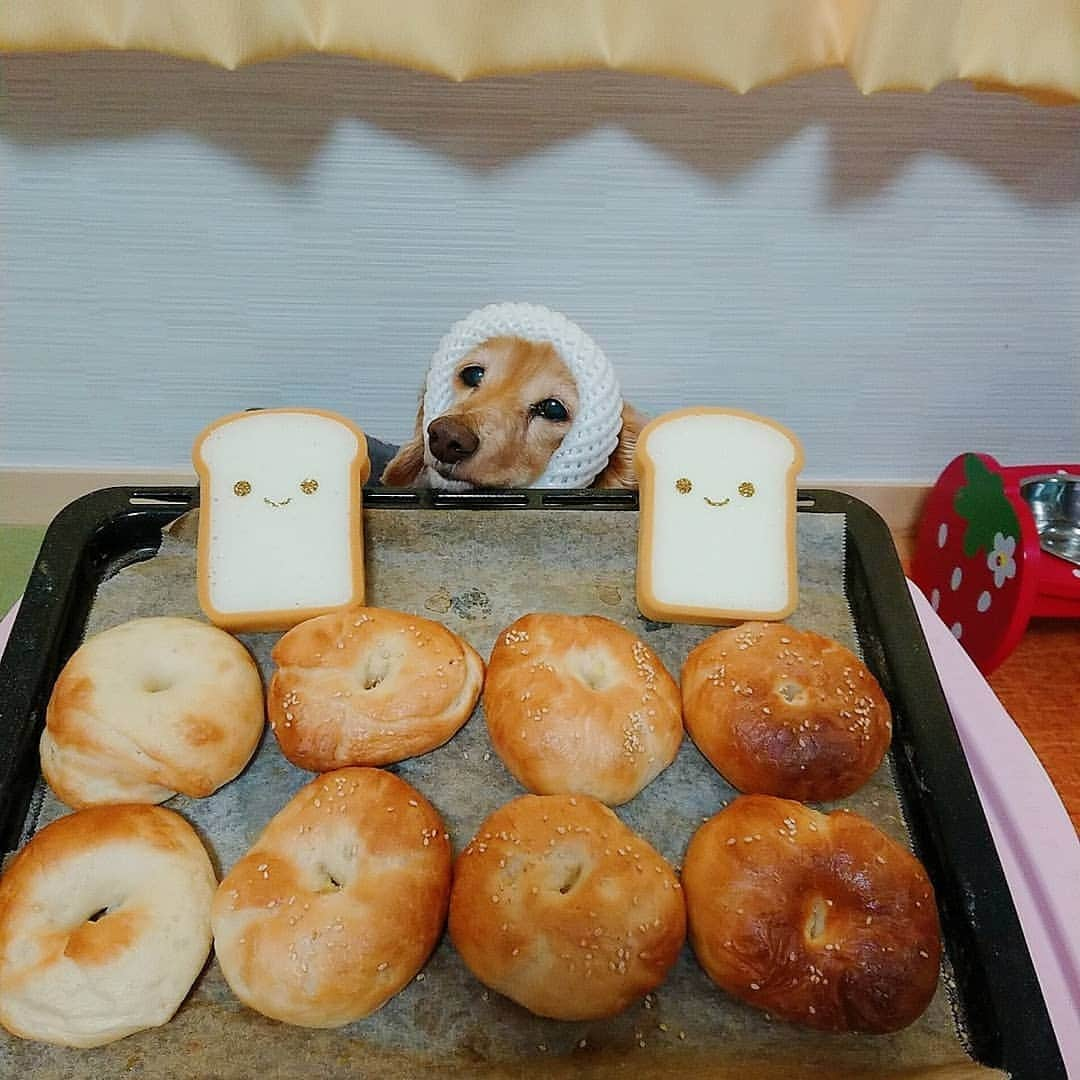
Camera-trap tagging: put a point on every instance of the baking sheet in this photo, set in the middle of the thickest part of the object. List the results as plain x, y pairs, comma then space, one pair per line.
476, 572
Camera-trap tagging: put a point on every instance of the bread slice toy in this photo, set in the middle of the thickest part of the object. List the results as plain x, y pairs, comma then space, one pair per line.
716, 541
280, 527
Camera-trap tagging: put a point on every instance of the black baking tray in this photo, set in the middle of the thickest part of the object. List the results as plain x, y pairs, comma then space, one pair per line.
1002, 1005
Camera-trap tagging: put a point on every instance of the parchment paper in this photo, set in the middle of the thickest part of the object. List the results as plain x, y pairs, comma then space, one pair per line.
477, 571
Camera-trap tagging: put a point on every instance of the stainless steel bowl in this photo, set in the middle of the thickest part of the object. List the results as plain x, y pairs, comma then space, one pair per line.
1055, 506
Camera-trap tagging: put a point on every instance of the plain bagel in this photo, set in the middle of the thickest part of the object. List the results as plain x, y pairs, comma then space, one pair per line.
818, 919
150, 708
104, 925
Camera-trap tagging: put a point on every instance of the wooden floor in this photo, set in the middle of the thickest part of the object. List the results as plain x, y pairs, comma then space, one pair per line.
1039, 685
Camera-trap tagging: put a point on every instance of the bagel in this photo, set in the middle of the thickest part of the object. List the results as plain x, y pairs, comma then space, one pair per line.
785, 712
578, 704
104, 925
562, 908
368, 686
818, 919
150, 708
338, 904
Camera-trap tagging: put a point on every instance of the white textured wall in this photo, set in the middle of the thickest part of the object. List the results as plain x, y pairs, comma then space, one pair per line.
897, 278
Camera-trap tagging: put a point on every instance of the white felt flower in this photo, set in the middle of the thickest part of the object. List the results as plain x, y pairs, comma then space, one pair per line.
1000, 560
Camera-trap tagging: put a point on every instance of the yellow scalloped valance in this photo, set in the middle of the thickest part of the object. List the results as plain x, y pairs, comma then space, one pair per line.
1031, 46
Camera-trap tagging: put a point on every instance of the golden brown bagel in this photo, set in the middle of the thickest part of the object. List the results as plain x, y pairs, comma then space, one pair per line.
818, 919
576, 703
339, 902
786, 712
368, 686
561, 907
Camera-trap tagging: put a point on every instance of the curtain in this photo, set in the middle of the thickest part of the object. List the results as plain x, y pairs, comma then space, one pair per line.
1029, 46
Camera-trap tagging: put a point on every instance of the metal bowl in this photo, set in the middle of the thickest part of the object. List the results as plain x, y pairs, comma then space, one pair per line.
1055, 506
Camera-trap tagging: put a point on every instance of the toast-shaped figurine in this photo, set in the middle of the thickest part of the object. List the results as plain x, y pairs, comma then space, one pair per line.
280, 525
716, 542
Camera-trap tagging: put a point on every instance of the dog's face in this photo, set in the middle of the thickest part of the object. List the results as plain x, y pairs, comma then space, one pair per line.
513, 403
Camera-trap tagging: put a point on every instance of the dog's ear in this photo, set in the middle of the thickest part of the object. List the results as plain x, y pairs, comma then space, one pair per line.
405, 467
620, 471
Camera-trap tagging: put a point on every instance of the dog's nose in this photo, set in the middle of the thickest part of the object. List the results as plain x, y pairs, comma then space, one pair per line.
450, 440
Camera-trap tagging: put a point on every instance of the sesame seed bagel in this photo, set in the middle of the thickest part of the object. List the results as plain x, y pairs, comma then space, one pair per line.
338, 904
818, 919
785, 712
104, 925
150, 708
578, 704
562, 908
369, 686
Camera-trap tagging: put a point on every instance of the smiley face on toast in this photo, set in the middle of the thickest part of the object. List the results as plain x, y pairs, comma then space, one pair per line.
717, 534
280, 536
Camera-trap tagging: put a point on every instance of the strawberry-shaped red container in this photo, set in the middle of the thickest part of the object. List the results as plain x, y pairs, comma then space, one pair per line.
978, 559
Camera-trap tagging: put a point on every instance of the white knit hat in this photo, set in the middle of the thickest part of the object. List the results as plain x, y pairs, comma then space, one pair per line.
594, 432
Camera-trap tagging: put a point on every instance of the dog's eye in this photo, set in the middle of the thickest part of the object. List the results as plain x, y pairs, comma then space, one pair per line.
309, 486
746, 489
242, 487
551, 409
473, 375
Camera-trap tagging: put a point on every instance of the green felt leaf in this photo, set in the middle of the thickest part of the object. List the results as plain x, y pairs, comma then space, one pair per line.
982, 504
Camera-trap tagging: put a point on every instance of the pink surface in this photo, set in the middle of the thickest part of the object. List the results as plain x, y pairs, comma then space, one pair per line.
1036, 843
6, 624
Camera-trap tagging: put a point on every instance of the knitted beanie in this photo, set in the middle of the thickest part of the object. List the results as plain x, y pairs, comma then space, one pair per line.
594, 431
